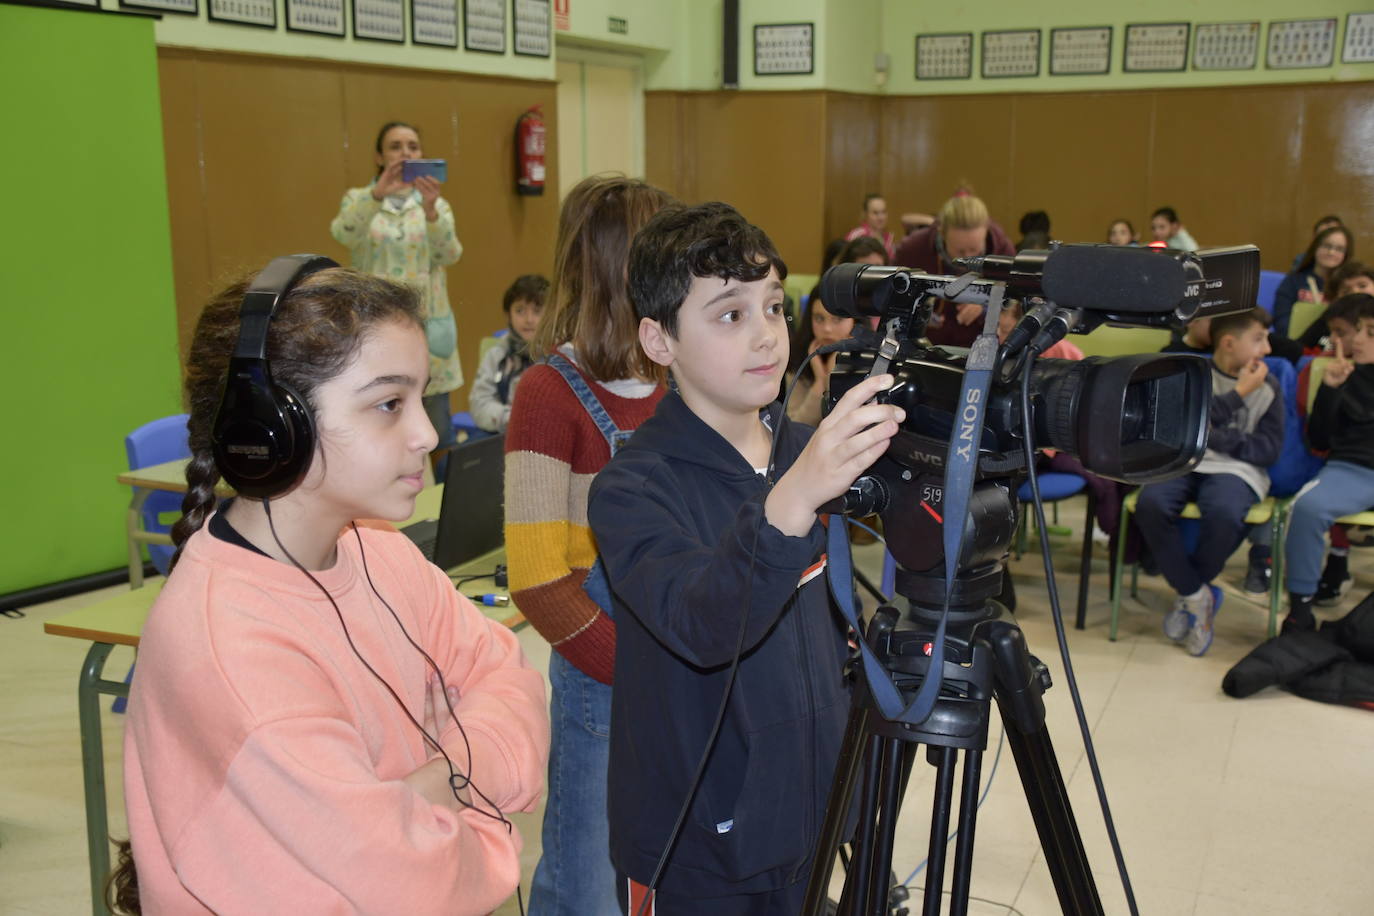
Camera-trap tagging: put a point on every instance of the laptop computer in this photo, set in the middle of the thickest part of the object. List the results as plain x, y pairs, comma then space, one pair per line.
471, 521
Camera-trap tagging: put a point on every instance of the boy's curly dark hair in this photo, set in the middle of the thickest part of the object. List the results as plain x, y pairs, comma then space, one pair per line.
679, 243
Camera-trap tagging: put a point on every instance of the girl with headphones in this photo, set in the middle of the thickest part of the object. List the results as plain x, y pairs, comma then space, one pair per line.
320, 723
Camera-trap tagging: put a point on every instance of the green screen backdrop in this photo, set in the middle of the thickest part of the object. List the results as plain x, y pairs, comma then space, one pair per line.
89, 334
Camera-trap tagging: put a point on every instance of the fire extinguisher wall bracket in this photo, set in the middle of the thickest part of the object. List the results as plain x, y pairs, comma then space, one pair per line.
529, 152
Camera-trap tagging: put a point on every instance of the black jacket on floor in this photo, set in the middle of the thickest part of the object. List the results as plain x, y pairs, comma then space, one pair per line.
679, 522
1332, 665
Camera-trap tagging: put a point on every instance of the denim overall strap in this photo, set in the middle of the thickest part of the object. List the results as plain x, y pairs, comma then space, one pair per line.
597, 585
615, 437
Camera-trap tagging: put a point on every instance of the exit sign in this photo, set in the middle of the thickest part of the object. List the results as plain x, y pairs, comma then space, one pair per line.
618, 26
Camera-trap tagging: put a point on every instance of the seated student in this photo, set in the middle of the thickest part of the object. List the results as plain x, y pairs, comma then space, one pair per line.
1246, 435
320, 722
697, 545
818, 328
1341, 423
874, 225
1350, 278
1035, 230
863, 250
1121, 232
493, 390
963, 230
1330, 249
1196, 338
1322, 224
1166, 227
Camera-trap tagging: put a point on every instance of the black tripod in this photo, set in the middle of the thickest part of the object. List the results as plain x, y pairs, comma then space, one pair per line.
986, 659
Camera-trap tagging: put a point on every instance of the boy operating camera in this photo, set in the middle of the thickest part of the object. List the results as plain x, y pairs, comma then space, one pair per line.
697, 545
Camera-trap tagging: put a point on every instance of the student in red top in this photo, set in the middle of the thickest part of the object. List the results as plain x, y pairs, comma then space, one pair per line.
571, 413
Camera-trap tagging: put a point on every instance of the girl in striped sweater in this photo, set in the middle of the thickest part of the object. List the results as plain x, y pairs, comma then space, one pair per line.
594, 388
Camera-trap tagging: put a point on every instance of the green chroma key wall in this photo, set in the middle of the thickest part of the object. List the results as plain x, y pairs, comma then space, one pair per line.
90, 329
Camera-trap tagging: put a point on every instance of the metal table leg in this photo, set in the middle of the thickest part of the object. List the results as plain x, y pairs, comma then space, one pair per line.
90, 687
134, 528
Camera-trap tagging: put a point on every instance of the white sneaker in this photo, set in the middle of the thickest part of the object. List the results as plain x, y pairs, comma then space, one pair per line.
1178, 621
1199, 638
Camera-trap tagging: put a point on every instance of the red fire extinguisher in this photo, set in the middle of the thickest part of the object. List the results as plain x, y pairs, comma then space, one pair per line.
529, 152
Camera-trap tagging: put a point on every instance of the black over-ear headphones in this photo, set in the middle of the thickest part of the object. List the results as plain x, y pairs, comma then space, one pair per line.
264, 434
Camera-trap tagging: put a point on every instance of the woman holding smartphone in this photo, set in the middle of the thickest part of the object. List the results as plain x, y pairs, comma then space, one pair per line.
403, 231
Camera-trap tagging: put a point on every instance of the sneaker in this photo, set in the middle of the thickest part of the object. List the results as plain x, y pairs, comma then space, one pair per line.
1199, 638
1257, 579
1299, 614
1330, 594
1178, 621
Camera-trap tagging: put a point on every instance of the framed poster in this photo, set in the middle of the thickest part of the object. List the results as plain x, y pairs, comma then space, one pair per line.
188, 7
784, 48
945, 56
1155, 47
1012, 53
1297, 44
1359, 39
379, 20
484, 26
1226, 46
434, 22
260, 13
530, 21
1080, 51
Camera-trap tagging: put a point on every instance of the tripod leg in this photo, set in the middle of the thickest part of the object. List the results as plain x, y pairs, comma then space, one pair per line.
853, 898
852, 749
890, 793
939, 828
963, 847
1048, 799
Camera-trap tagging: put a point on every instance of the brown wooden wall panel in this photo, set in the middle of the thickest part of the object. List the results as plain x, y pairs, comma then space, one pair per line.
1337, 171
852, 168
1227, 161
931, 145
1253, 164
1080, 159
761, 152
261, 149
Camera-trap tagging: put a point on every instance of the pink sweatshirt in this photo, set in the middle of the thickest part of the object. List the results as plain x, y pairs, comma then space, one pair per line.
263, 762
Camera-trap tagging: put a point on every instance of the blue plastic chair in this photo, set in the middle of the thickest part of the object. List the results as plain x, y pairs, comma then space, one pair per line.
1054, 486
466, 426
1268, 286
157, 442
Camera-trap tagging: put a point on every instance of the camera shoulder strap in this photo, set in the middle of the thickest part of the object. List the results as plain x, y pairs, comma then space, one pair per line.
960, 465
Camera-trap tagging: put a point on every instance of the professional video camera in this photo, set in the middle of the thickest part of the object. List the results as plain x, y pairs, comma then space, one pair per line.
960, 455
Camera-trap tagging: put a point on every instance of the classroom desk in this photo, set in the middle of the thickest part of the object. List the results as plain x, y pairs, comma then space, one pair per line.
118, 621
170, 477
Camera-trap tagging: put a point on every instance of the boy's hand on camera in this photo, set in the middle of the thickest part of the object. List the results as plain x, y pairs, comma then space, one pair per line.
848, 440
1339, 369
1251, 376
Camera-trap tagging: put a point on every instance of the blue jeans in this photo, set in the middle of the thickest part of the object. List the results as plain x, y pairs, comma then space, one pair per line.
1338, 489
574, 876
1223, 499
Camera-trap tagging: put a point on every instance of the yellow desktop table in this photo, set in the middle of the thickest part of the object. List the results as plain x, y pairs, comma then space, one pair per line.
118, 621
170, 476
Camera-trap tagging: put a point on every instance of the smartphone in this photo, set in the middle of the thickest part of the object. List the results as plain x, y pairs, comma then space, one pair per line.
412, 169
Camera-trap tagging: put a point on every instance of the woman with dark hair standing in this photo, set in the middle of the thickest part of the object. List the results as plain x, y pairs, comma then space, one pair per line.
1330, 249
404, 231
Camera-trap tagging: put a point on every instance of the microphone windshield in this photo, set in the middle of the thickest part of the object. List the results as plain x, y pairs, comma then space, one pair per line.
1113, 279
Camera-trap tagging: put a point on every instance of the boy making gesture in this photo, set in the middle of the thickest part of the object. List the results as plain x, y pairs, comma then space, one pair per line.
695, 544
1342, 422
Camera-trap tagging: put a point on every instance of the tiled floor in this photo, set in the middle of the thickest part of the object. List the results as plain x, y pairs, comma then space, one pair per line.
1223, 806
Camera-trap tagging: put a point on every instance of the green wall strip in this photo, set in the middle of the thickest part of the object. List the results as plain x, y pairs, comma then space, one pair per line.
90, 336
